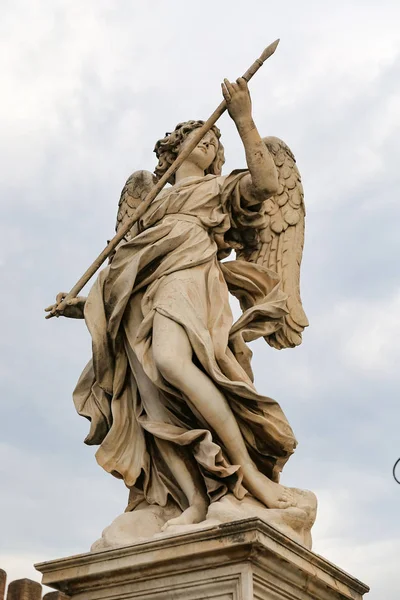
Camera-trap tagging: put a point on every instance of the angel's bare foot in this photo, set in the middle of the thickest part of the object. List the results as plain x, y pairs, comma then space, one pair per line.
194, 514
272, 494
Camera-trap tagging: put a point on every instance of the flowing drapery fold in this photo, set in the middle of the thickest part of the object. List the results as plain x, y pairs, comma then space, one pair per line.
172, 267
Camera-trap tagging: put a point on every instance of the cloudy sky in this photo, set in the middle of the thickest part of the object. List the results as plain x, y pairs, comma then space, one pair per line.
86, 90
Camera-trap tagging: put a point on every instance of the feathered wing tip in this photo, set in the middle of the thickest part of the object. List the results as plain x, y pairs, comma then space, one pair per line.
134, 192
281, 242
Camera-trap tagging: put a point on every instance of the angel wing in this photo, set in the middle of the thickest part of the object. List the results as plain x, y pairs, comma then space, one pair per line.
134, 192
281, 240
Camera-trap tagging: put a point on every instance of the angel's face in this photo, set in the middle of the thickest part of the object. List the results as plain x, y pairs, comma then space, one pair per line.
206, 150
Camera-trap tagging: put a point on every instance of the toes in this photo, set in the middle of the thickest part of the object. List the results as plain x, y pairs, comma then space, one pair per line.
168, 523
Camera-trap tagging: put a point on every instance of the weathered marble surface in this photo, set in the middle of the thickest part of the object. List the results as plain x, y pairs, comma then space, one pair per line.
169, 390
151, 521
246, 560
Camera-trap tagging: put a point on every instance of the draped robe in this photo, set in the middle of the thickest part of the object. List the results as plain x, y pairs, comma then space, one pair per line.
171, 266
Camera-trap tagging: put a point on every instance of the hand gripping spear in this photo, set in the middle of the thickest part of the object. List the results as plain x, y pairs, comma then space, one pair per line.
201, 131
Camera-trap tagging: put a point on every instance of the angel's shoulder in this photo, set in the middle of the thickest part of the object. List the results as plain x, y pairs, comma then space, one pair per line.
220, 181
231, 179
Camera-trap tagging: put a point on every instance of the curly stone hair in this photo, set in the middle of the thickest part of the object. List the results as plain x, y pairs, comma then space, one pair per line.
167, 149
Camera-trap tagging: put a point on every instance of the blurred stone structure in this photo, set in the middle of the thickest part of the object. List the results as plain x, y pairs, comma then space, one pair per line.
25, 589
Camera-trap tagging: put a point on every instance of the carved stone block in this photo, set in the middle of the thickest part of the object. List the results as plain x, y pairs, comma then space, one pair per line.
245, 560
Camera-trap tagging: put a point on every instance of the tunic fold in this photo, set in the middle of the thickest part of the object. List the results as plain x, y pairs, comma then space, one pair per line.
172, 267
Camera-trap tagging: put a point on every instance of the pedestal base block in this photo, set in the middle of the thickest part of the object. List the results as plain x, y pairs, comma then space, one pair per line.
245, 560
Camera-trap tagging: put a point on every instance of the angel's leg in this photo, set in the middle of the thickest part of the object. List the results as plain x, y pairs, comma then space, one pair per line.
173, 355
183, 468
189, 479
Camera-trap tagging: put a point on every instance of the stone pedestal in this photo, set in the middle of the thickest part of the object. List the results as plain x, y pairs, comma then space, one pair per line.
245, 560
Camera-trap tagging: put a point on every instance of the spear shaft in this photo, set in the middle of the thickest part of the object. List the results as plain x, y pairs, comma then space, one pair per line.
139, 212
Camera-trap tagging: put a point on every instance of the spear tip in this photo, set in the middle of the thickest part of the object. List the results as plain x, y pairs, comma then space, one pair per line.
269, 50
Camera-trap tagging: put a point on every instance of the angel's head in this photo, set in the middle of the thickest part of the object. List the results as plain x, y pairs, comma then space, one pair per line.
208, 154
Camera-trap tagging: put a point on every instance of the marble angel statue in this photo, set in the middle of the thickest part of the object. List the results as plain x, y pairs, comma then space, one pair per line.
169, 391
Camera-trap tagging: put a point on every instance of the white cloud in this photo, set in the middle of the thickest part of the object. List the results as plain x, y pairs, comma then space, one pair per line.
375, 563
369, 334
355, 538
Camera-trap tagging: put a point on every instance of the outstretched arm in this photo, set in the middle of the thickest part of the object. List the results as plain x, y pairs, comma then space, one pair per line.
263, 180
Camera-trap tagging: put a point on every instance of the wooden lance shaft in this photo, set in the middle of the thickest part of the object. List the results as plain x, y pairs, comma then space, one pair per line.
139, 212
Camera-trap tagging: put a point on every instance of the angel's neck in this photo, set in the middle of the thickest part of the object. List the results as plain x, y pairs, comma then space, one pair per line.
188, 169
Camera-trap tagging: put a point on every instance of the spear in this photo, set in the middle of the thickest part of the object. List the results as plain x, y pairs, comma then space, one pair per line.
182, 156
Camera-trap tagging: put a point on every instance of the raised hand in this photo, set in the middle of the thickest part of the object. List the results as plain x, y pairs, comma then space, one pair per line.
238, 101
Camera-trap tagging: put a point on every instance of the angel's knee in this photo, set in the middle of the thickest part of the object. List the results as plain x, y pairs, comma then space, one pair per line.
171, 367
